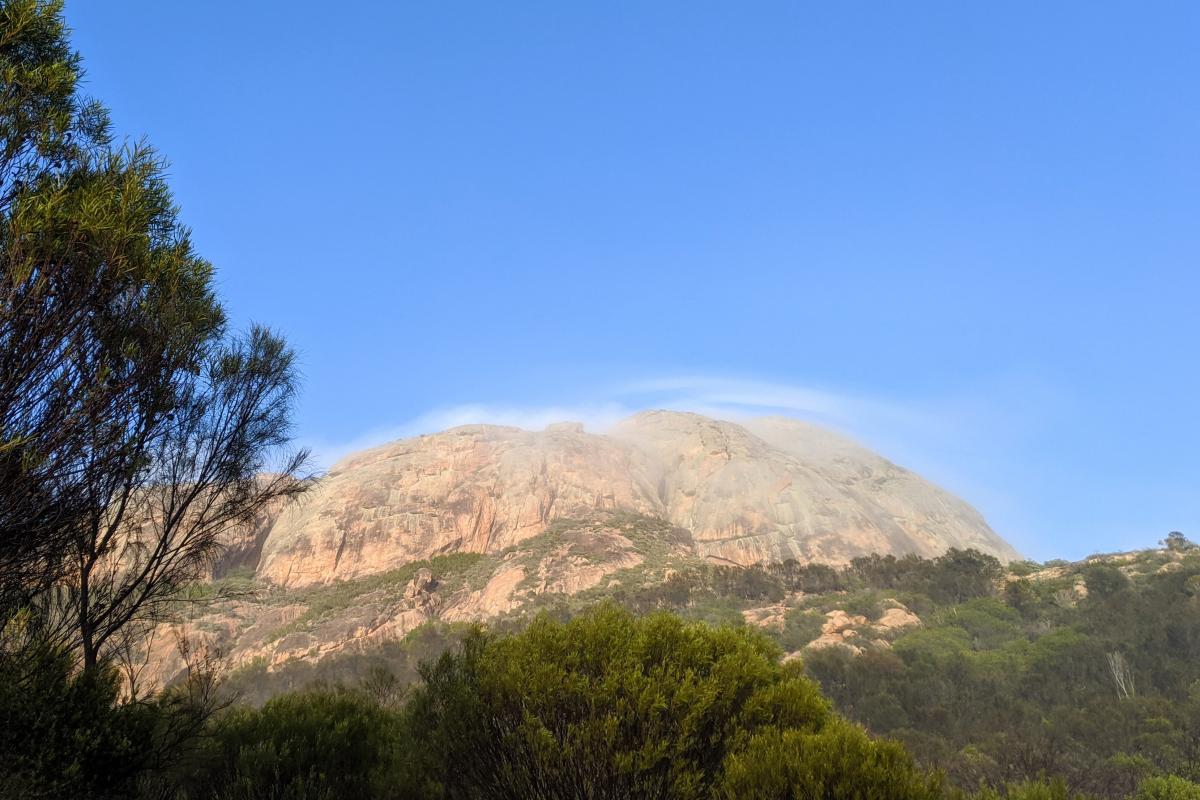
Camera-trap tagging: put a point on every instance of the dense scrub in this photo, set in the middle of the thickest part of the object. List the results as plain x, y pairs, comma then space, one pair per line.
607, 705
1089, 673
1008, 689
1086, 672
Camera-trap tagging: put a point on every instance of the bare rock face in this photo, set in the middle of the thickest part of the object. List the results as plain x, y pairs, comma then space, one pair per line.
897, 618
478, 489
778, 488
838, 621
768, 490
854, 633
772, 617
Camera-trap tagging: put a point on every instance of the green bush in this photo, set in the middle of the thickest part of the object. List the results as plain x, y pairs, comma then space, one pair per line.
808, 578
312, 745
867, 604
64, 733
612, 706
1104, 581
1023, 569
752, 583
955, 577
839, 762
1167, 787
800, 627
1032, 790
989, 622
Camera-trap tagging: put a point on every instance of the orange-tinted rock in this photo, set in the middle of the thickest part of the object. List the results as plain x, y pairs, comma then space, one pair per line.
768, 490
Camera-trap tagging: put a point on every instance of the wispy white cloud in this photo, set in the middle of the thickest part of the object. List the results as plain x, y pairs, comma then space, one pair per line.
959, 439
594, 417
724, 398
736, 397
737, 393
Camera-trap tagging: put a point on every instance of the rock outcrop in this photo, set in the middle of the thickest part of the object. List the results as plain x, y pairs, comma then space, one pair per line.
480, 488
776, 488
481, 522
767, 490
842, 629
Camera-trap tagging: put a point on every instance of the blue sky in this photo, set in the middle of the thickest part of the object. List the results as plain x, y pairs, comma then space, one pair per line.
966, 233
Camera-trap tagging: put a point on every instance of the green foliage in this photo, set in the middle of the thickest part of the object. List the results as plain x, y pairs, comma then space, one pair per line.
313, 745
1176, 542
990, 623
1023, 568
136, 430
136, 426
800, 626
1002, 689
841, 761
608, 705
865, 603
1104, 581
62, 733
1021, 596
747, 583
1032, 790
955, 577
1007, 680
1167, 787
67, 732
808, 578
254, 684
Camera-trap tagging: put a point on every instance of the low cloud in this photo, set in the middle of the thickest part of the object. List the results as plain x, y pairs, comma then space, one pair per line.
968, 440
736, 398
594, 418
723, 398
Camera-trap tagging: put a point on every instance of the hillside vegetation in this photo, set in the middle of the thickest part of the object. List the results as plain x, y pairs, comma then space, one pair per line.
1086, 672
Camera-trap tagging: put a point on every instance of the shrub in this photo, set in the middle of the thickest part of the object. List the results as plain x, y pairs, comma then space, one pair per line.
954, 577
1176, 542
962, 575
808, 578
1104, 581
840, 761
609, 705
747, 583
64, 733
301, 746
799, 628
1167, 787
1032, 790
1023, 569
866, 604
989, 622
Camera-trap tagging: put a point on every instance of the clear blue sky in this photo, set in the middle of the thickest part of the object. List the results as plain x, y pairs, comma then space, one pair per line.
967, 233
